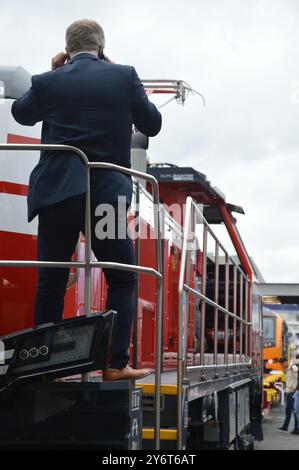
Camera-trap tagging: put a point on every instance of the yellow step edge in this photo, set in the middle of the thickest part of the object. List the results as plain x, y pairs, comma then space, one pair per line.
165, 434
165, 389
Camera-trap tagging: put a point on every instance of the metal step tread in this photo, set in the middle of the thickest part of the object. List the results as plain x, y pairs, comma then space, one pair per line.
165, 434
149, 389
169, 377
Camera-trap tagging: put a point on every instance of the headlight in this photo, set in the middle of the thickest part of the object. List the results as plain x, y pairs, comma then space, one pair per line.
72, 346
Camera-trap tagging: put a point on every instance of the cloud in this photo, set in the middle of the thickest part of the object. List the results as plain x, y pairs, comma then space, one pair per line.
243, 56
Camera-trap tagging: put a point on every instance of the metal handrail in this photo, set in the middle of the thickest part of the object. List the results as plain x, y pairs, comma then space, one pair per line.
88, 265
80, 264
212, 233
191, 212
214, 304
219, 366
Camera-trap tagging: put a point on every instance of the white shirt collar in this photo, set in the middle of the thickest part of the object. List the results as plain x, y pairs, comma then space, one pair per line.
84, 52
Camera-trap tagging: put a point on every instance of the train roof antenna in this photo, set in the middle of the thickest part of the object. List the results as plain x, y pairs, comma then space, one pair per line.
179, 88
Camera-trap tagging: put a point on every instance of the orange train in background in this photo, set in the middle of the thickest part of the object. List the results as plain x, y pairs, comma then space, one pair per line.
276, 340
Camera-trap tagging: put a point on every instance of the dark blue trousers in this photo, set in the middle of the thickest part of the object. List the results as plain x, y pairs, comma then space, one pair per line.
58, 232
289, 411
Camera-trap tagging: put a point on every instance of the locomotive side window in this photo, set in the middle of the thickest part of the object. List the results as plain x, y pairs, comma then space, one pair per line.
269, 332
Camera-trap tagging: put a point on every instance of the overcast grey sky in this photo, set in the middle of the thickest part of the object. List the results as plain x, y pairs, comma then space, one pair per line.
243, 55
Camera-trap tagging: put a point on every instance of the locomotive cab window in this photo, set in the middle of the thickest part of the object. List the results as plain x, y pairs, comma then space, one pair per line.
269, 332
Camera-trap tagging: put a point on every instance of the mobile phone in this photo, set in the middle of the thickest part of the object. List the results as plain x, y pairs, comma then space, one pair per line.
101, 54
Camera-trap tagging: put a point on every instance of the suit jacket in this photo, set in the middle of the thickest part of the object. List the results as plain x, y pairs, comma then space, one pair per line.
90, 104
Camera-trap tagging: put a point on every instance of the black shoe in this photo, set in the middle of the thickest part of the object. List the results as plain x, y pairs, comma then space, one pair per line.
282, 429
296, 431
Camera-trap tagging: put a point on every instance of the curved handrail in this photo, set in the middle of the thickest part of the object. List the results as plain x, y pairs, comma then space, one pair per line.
88, 264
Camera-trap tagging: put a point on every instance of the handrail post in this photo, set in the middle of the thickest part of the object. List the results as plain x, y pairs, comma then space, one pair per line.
87, 272
250, 316
241, 317
180, 358
87, 283
137, 260
226, 301
203, 290
246, 318
216, 300
159, 318
235, 313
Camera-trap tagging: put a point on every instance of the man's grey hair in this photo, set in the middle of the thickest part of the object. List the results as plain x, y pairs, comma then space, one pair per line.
84, 35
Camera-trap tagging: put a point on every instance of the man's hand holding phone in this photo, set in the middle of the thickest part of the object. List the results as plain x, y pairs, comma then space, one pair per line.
106, 59
62, 58
59, 60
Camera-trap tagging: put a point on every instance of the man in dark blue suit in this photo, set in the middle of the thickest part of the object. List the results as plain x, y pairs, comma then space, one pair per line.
91, 103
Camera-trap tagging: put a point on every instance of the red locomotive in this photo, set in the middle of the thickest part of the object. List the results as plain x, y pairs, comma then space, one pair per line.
211, 329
